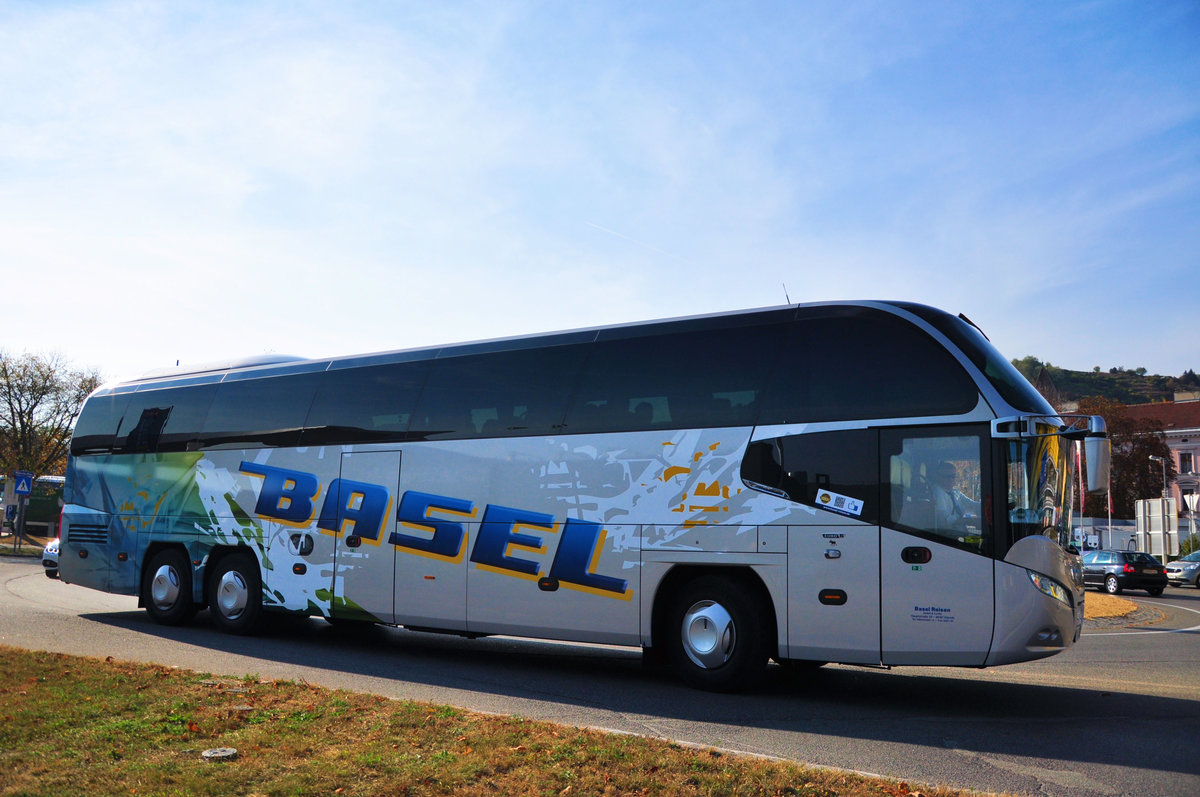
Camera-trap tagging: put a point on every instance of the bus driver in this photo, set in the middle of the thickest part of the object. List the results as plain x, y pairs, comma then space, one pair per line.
951, 507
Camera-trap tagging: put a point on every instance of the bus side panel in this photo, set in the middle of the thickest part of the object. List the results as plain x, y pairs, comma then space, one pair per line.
365, 570
270, 500
833, 590
90, 521
83, 549
549, 548
937, 612
538, 604
519, 563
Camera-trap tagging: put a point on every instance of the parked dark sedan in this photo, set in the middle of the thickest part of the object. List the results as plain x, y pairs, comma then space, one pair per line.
1114, 571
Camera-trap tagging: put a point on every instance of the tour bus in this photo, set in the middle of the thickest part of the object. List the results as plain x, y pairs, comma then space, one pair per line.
868, 483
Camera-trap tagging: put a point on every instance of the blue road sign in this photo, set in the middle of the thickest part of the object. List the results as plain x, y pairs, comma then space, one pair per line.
23, 484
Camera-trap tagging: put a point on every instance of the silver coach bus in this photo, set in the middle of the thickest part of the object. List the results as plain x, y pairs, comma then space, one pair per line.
860, 482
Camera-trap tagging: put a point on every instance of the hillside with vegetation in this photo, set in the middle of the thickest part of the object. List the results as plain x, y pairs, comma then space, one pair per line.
1124, 385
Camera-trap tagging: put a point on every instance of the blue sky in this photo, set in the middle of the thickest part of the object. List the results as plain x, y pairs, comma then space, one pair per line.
197, 181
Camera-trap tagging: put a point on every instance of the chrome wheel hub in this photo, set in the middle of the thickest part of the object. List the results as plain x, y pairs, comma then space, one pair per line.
164, 587
232, 595
709, 635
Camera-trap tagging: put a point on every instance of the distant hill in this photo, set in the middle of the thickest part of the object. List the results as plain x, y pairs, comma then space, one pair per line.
1128, 386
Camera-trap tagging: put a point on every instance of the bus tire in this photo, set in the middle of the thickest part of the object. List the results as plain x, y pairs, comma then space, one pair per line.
235, 594
716, 635
167, 588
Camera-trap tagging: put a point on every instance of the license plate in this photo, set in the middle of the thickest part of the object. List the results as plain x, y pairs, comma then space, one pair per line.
1149, 571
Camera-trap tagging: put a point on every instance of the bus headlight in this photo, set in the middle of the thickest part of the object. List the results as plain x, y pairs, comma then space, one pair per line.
1049, 586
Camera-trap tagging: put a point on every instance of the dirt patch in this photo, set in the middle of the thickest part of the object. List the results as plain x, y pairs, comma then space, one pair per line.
1098, 606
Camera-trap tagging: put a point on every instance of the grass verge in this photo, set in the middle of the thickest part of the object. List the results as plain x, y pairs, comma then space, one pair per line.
7, 549
71, 725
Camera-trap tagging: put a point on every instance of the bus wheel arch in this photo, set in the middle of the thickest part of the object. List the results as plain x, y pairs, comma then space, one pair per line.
233, 589
166, 585
715, 626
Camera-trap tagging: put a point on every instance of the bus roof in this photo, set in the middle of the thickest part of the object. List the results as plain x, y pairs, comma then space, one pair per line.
273, 365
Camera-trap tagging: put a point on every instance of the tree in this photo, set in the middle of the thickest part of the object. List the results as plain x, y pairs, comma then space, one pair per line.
1134, 475
1029, 366
40, 397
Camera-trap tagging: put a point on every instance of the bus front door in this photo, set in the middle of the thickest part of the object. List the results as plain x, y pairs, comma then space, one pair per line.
935, 573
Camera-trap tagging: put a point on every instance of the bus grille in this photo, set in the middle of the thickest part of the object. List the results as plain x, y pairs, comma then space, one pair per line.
87, 533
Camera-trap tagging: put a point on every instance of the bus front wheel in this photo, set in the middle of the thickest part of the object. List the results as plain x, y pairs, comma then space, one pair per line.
235, 594
717, 637
167, 588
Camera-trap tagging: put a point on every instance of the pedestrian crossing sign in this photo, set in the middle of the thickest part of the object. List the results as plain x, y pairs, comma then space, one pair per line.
23, 485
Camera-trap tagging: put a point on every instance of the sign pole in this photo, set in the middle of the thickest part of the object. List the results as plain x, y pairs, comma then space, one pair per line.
20, 525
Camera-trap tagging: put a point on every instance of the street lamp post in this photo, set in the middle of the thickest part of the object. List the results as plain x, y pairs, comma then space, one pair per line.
1163, 461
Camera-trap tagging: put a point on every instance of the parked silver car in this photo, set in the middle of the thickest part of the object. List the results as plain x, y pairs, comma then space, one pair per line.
50, 559
1185, 571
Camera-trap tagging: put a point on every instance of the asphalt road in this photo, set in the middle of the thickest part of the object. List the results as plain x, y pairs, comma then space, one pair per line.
1117, 714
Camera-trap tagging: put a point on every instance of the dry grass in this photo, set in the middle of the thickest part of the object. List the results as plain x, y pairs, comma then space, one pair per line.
1099, 606
84, 726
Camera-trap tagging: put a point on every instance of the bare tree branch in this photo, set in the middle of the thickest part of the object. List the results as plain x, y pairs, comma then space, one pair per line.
40, 397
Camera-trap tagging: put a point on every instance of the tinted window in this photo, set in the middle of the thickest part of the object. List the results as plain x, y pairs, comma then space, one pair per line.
266, 411
851, 363
164, 420
683, 380
935, 483
504, 394
1008, 381
97, 424
837, 471
369, 404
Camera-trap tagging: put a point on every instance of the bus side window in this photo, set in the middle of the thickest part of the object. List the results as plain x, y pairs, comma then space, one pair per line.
97, 425
157, 421
690, 380
501, 394
853, 363
260, 411
143, 438
835, 471
365, 404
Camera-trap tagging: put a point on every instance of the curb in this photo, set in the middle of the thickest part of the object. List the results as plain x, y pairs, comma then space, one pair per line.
1142, 615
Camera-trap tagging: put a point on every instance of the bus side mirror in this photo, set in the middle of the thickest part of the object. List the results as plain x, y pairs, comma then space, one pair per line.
1098, 452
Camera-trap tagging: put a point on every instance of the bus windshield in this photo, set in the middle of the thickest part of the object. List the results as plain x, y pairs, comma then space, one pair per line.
1040, 484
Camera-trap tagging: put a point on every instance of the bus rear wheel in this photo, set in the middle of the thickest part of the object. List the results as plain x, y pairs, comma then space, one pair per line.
167, 588
717, 636
235, 594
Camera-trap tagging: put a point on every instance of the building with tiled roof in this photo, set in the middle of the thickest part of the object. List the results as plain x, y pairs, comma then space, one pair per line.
1181, 423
